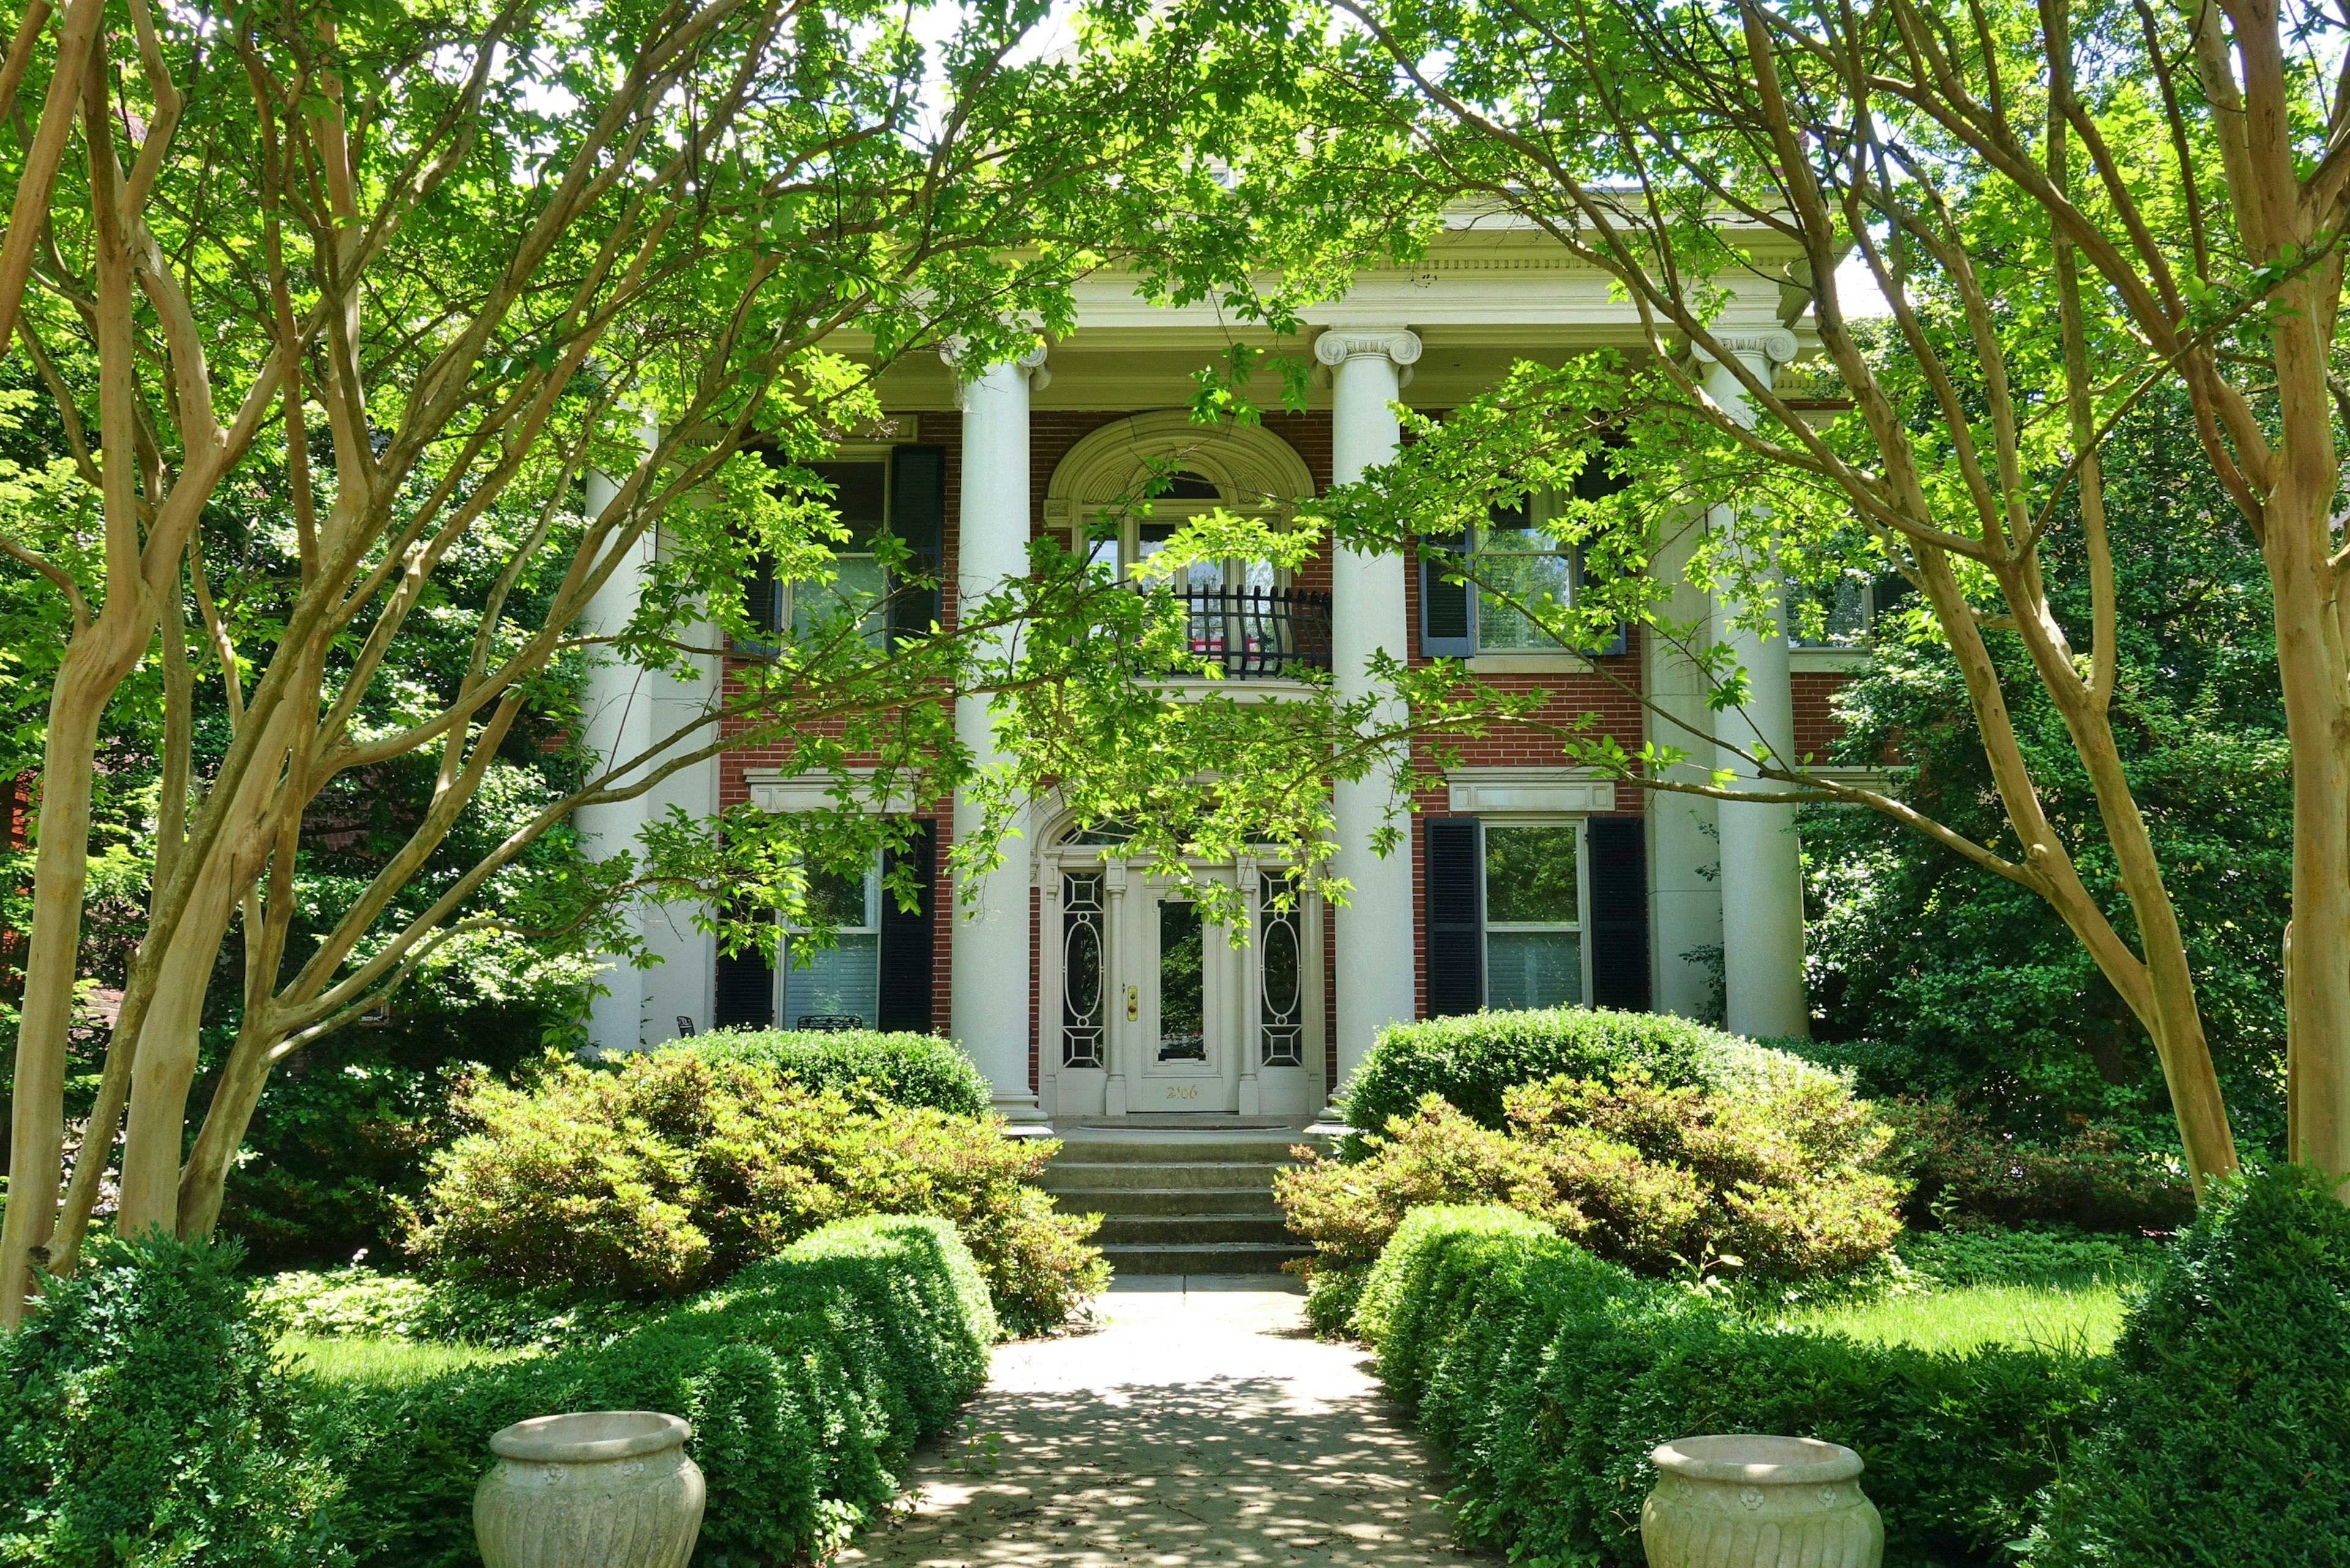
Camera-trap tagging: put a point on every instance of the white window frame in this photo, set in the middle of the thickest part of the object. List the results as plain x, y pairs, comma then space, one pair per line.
1542, 508
1123, 553
874, 894
1486, 926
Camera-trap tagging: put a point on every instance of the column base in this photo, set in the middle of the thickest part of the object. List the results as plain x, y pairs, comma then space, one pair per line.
1024, 1116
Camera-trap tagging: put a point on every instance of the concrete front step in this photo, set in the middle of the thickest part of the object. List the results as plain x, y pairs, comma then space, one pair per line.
1069, 1176
1189, 1200
1167, 1199
1181, 1149
1215, 1257
1189, 1229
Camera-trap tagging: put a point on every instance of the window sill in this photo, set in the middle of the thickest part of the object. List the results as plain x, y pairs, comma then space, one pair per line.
1529, 664
1827, 661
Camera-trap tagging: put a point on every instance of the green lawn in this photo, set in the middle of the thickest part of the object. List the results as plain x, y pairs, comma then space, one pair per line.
385, 1361
2088, 1317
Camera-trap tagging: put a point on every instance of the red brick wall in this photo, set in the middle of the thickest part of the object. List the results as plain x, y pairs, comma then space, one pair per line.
1817, 729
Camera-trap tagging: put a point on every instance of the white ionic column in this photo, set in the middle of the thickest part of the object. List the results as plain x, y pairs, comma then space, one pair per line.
1374, 960
617, 724
1762, 865
989, 1009
1684, 873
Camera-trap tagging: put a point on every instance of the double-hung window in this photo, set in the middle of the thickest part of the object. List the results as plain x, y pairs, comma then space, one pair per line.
1533, 914
1849, 605
1526, 912
877, 974
1519, 575
902, 494
838, 987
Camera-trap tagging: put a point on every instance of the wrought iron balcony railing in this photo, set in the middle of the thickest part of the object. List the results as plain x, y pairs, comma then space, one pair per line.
1259, 634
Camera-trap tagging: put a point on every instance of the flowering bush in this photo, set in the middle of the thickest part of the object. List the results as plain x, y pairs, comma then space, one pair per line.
676, 1171
1791, 1179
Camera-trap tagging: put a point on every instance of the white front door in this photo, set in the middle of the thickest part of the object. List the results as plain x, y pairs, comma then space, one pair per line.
1188, 1048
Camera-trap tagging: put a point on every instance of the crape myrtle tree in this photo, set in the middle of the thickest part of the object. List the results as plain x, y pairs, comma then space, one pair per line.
1999, 1005
384, 284
2066, 206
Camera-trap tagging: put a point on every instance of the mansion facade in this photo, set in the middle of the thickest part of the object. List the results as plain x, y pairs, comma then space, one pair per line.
1087, 990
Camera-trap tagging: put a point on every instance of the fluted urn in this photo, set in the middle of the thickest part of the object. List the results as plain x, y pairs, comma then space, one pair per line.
602, 1489
1752, 1502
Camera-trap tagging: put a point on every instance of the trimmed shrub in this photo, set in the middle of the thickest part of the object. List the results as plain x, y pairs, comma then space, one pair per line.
900, 1068
1471, 1060
675, 1171
1786, 1178
1547, 1375
143, 1420
809, 1379
2227, 1441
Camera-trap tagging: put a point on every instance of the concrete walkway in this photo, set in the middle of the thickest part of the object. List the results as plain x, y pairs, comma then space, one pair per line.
1203, 1425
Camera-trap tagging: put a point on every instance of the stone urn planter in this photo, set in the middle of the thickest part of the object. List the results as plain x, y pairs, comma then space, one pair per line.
1759, 1503
606, 1489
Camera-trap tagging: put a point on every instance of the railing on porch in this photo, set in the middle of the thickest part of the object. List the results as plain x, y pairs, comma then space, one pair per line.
1259, 634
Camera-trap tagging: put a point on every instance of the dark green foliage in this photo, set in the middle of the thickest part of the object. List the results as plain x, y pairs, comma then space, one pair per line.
346, 1127
143, 1421
1472, 1059
809, 1379
1547, 1375
2227, 1441
1996, 1152
1332, 1296
903, 1069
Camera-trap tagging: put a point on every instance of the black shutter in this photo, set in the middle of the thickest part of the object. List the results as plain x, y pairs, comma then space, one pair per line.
1619, 913
1456, 939
1448, 628
918, 515
905, 937
762, 606
1596, 480
745, 993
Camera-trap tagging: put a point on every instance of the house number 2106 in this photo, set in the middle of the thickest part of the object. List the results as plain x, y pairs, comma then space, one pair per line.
1182, 1091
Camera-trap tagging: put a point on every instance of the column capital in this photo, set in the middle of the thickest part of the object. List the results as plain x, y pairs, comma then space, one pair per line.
1029, 365
1340, 344
1775, 347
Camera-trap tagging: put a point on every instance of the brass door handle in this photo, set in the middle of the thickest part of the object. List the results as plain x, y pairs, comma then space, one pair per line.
1133, 1002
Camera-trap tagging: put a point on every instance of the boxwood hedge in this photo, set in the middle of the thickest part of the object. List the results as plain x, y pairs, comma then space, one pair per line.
1471, 1059
901, 1068
1547, 1376
808, 1378
2227, 1441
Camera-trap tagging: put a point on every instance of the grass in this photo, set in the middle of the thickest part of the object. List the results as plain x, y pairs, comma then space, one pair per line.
2088, 1317
384, 1362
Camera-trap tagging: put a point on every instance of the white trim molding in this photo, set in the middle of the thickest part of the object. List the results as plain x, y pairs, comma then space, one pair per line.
1802, 660
1263, 471
1499, 791
779, 793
